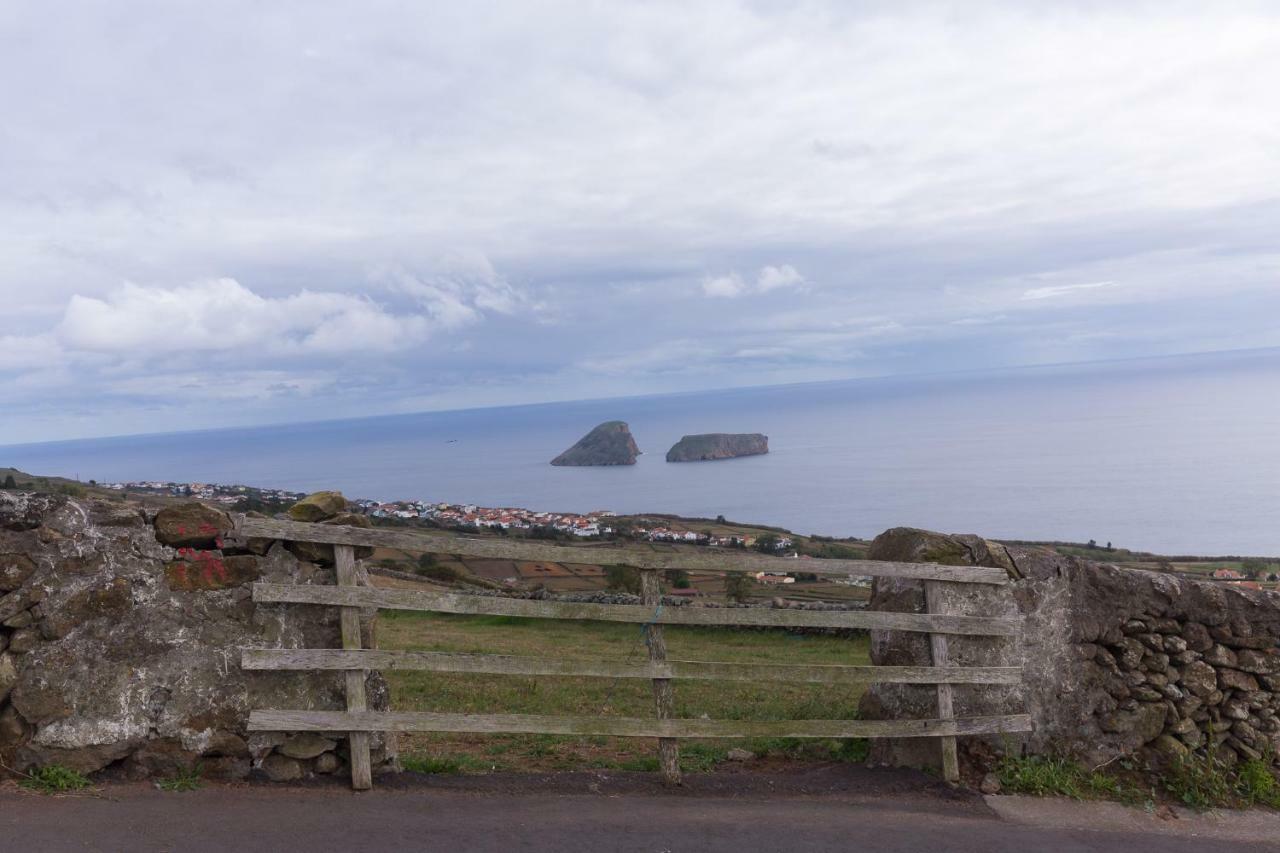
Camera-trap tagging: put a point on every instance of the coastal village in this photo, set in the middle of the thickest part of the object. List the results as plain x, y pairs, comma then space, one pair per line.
597, 523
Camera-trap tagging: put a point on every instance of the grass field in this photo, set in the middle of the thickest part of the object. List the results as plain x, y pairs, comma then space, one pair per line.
424, 691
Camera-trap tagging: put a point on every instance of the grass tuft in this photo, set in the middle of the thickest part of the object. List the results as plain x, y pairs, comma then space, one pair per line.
1044, 776
1202, 782
55, 779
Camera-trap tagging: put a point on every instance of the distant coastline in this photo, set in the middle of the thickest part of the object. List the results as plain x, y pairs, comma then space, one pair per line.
1050, 454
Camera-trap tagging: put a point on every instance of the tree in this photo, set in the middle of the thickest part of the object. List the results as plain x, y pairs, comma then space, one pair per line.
768, 544
737, 587
622, 579
678, 578
1256, 569
10, 483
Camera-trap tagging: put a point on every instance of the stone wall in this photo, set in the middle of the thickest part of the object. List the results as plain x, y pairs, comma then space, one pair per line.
120, 638
1116, 662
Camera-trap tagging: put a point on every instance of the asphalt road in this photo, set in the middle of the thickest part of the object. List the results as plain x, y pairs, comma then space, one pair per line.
439, 817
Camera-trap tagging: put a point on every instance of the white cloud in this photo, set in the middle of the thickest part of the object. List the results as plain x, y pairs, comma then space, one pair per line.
224, 315
728, 286
768, 278
771, 278
1056, 290
28, 352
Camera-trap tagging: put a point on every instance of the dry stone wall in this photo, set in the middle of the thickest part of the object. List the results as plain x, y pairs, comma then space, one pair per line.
1116, 662
120, 638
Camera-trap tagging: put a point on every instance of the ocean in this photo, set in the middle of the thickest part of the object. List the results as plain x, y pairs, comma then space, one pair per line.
1175, 455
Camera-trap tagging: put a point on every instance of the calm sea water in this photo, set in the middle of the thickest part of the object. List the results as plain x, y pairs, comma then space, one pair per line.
1173, 455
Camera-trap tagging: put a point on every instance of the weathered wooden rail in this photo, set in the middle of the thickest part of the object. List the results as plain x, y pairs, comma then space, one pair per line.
355, 661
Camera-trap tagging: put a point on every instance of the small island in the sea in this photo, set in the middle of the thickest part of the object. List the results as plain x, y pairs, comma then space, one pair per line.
718, 445
608, 444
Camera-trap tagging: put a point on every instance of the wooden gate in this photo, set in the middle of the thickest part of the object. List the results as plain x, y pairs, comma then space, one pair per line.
357, 721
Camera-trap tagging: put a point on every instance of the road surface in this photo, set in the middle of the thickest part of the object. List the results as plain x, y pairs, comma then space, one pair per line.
600, 816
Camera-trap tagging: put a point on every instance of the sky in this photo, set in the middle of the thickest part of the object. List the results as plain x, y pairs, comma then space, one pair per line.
234, 213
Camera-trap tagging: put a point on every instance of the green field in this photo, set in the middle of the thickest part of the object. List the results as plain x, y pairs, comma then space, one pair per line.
470, 693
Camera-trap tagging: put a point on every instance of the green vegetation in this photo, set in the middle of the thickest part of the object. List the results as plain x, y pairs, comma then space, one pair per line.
678, 579
434, 764
1198, 781
622, 579
1043, 776
185, 780
737, 587
55, 779
627, 697
9, 482
768, 543
1202, 782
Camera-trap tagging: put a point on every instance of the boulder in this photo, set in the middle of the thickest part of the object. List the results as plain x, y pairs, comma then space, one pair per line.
13, 730
191, 525
1220, 655
14, 571
210, 570
318, 506
1197, 637
1256, 662
282, 768
1169, 748
8, 675
319, 552
1200, 679
1234, 679
306, 745
21, 511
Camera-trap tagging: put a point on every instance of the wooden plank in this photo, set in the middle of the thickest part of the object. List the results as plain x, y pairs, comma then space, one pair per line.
406, 599
643, 557
663, 694
337, 721
946, 709
357, 701
331, 659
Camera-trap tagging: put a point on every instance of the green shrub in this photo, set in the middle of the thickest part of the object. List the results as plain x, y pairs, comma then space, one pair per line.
622, 579
737, 587
55, 779
1199, 780
1256, 784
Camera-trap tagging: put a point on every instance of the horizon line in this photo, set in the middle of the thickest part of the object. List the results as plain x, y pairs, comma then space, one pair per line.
728, 388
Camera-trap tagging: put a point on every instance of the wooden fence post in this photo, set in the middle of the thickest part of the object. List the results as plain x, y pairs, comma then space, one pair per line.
361, 769
663, 694
946, 709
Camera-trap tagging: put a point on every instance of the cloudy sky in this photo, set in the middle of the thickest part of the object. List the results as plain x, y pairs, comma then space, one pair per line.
227, 213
